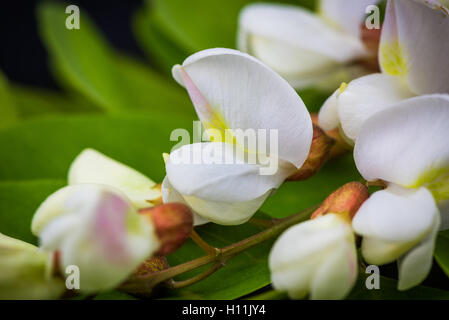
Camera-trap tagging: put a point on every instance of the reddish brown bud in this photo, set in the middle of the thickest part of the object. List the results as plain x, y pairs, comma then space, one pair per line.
173, 223
318, 154
340, 146
346, 200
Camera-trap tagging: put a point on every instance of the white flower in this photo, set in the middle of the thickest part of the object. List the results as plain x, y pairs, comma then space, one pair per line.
233, 91
413, 59
26, 272
306, 48
405, 146
97, 229
317, 257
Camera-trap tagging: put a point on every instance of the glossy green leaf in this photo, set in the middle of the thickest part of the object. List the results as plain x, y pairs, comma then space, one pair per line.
240, 276
8, 113
32, 102
44, 148
295, 196
159, 48
442, 251
84, 61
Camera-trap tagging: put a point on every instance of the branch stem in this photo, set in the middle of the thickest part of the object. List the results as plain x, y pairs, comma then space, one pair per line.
219, 257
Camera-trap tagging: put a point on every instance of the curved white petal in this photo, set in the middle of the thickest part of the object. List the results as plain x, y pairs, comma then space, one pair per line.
396, 214
226, 213
232, 90
416, 264
393, 221
170, 194
407, 144
53, 206
93, 167
337, 275
348, 14
414, 45
328, 116
303, 257
365, 96
213, 171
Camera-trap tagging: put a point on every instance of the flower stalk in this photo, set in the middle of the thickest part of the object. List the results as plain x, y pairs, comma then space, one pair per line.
143, 284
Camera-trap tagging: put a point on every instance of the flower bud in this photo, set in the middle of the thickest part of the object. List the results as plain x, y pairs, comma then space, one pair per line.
318, 154
173, 223
96, 229
341, 145
345, 201
26, 272
317, 257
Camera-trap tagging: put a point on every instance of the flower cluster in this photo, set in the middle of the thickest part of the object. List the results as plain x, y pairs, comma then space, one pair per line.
109, 220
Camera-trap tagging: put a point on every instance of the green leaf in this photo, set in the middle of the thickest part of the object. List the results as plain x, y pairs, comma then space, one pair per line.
442, 251
8, 114
156, 44
295, 196
32, 102
149, 91
84, 61
240, 276
18, 202
83, 56
388, 291
44, 148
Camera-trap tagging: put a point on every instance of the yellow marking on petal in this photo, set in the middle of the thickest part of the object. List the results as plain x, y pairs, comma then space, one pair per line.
393, 59
437, 181
342, 88
165, 156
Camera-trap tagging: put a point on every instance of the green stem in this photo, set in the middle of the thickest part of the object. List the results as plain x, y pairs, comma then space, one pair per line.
142, 284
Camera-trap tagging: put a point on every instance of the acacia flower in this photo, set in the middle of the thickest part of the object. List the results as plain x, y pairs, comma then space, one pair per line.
307, 49
236, 97
319, 257
97, 229
406, 147
413, 57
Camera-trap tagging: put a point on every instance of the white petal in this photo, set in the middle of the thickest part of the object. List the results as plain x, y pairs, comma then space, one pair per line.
170, 194
303, 249
396, 214
93, 167
348, 14
212, 171
225, 213
232, 90
336, 276
366, 96
53, 206
416, 264
328, 116
414, 45
406, 144
378, 252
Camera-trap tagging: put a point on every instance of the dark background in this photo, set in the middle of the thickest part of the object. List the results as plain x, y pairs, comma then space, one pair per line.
23, 58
